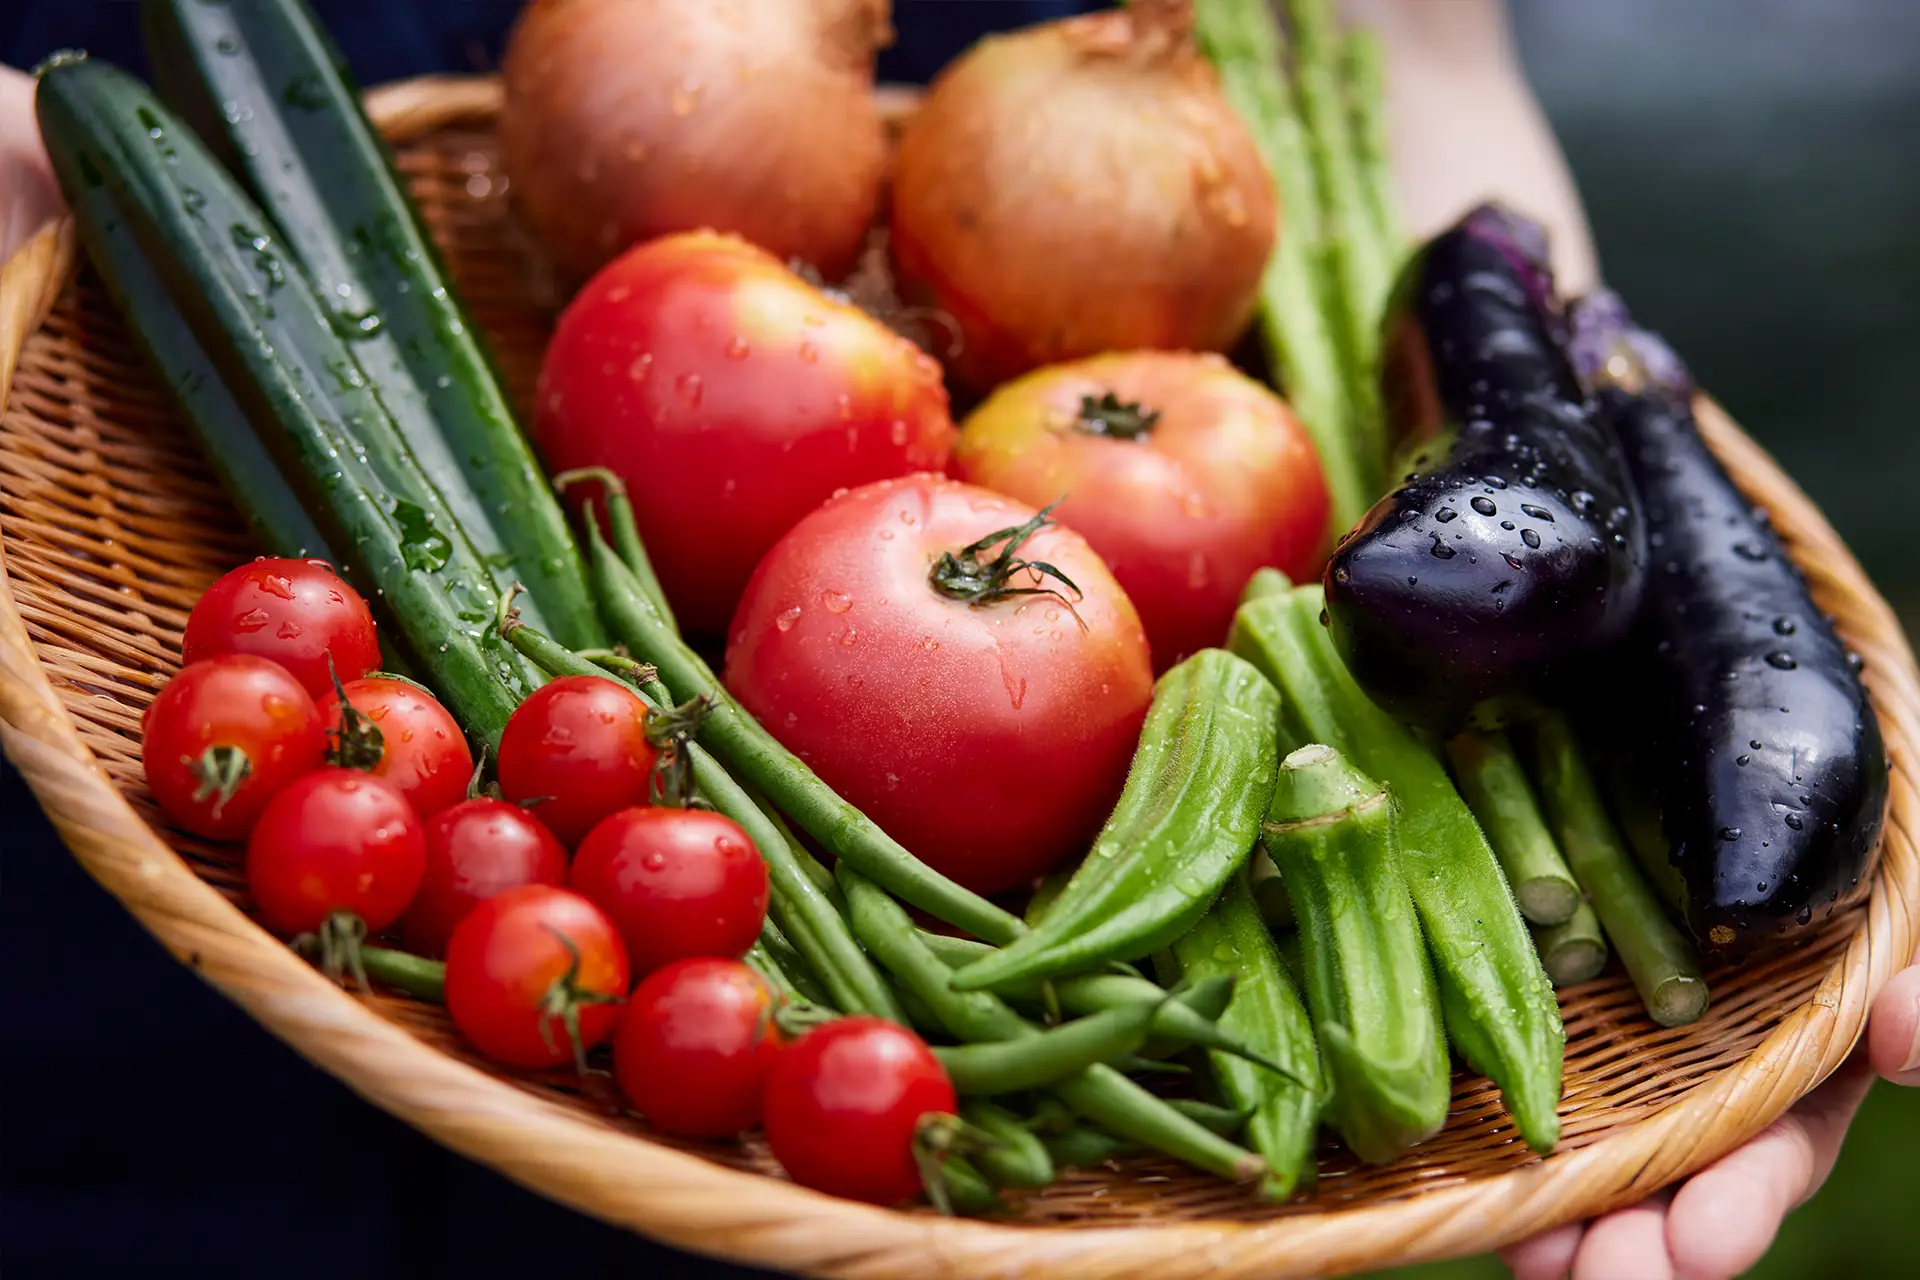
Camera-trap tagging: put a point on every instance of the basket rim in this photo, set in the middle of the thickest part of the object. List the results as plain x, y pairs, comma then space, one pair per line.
692, 1203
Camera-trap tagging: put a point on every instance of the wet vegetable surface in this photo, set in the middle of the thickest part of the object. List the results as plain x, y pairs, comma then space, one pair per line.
1513, 547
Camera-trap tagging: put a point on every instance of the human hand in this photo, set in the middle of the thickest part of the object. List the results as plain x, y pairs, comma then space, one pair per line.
1718, 1223
29, 196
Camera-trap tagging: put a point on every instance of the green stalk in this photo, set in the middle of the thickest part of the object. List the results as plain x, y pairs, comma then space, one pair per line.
1016, 1157
1366, 102
1242, 40
1573, 951
626, 531
1015, 1066
1495, 786
1656, 954
415, 975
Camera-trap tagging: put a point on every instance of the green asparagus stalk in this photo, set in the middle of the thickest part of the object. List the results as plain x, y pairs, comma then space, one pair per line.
1657, 956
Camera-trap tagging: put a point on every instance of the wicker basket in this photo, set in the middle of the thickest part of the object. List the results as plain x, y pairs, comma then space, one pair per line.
111, 526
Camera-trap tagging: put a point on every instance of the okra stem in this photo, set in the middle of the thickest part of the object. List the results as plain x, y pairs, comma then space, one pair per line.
1495, 787
1573, 951
782, 777
1656, 954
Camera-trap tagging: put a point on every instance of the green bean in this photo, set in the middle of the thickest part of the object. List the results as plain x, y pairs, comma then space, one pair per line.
1488, 973
1015, 1156
1045, 896
1495, 787
1573, 951
738, 740
795, 974
1657, 956
626, 531
1138, 1064
1099, 1093
415, 975
964, 1191
1225, 1121
1086, 1145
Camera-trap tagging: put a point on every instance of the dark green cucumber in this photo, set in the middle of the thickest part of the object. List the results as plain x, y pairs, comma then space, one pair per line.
263, 75
257, 319
248, 474
1185, 822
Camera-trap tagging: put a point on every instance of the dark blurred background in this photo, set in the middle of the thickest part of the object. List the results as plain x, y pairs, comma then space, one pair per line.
1749, 170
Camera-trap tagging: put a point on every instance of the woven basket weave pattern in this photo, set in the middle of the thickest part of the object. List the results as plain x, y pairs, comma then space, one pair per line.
111, 526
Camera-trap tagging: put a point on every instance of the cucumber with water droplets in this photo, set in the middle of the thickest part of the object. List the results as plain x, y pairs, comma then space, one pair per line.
256, 317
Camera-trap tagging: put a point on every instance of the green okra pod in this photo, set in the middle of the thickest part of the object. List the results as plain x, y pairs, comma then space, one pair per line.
1266, 1012
1498, 1002
1186, 819
1368, 981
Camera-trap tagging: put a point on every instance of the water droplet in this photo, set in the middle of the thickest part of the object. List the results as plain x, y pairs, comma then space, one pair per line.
1784, 626
836, 601
848, 636
288, 631
785, 619
1529, 537
251, 621
1793, 821
809, 354
689, 388
1197, 575
1781, 660
854, 682
1537, 513
1484, 506
929, 643
641, 366
907, 517
737, 348
1750, 551
886, 535
1729, 833
897, 431
654, 861
684, 98
619, 293
1743, 760
1446, 515
1441, 551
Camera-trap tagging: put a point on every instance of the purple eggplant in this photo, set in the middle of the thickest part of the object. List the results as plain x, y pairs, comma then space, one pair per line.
1513, 549
1739, 709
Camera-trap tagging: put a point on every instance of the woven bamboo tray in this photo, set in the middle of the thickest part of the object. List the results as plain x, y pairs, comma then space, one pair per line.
110, 526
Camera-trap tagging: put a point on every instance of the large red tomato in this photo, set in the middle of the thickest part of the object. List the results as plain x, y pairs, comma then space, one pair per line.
733, 397
1184, 474
989, 736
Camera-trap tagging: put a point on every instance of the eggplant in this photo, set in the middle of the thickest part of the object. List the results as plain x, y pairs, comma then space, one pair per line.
1741, 711
1513, 550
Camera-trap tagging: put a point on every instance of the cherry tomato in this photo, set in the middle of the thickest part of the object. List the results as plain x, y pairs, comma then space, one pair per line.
843, 1105
1188, 479
527, 962
678, 883
335, 840
578, 746
295, 612
990, 738
223, 737
693, 1051
733, 397
476, 849
421, 749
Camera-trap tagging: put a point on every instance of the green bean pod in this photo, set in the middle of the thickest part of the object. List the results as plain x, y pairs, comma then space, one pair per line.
1265, 1012
1186, 820
965, 1191
1499, 1004
1015, 1157
1015, 1066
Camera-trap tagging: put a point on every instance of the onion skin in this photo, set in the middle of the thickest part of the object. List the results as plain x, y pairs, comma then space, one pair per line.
1080, 187
629, 119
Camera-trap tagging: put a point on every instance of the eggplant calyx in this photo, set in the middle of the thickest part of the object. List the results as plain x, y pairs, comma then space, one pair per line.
1609, 350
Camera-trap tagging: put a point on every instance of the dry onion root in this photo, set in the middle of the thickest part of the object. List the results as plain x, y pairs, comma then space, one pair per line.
629, 119
1078, 187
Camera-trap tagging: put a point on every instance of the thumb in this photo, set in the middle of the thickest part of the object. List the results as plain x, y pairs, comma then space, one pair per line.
1893, 1029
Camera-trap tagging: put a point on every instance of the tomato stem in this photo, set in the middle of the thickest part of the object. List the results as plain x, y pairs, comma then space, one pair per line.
1109, 415
966, 575
358, 742
335, 948
670, 730
219, 770
565, 998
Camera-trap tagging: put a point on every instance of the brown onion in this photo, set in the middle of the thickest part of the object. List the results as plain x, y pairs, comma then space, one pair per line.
629, 119
1080, 187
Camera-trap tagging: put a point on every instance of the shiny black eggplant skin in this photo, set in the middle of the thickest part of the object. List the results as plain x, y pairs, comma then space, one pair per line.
1747, 716
1514, 549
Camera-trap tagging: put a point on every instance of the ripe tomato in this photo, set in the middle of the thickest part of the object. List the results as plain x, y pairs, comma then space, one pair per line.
1191, 476
536, 976
421, 749
693, 1051
476, 849
335, 840
578, 745
733, 397
990, 738
223, 737
295, 612
678, 883
843, 1108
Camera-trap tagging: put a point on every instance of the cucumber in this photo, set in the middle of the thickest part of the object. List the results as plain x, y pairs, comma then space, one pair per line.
261, 80
256, 317
279, 524
1186, 820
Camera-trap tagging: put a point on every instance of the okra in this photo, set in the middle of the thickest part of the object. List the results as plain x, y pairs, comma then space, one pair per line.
1283, 1109
1657, 956
1269, 892
1498, 1002
783, 778
1014, 1156
1185, 822
1369, 983
1099, 1093
1495, 787
1573, 951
